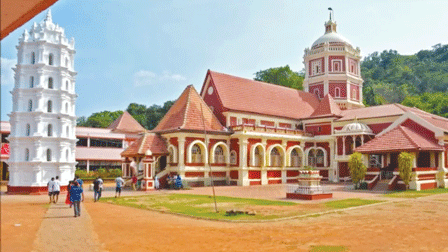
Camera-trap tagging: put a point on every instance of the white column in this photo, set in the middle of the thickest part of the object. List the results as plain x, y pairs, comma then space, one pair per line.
88, 165
243, 177
181, 148
343, 146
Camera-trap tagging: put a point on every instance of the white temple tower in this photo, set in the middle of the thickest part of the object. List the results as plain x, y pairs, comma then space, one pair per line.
332, 66
43, 120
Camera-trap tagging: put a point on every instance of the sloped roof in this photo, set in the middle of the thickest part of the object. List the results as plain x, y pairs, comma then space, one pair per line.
189, 112
112, 154
399, 139
148, 141
126, 123
327, 107
245, 95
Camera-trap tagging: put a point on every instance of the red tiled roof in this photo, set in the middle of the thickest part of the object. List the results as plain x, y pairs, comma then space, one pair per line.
372, 112
327, 107
399, 139
189, 112
149, 141
239, 94
126, 123
98, 153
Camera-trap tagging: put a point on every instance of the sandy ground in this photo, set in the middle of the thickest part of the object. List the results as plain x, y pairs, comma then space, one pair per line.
21, 217
404, 225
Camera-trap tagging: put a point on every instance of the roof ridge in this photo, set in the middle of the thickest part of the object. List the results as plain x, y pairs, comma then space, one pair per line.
407, 136
187, 106
142, 143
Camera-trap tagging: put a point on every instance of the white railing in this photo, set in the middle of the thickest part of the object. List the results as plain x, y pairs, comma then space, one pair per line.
306, 189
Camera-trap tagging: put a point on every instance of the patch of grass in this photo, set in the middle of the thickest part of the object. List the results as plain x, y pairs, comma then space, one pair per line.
326, 248
200, 205
345, 203
416, 194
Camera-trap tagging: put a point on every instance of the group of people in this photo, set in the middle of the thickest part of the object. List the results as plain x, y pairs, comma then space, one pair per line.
54, 188
174, 182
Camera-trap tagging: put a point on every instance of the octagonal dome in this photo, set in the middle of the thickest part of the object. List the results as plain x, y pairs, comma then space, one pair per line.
354, 127
331, 37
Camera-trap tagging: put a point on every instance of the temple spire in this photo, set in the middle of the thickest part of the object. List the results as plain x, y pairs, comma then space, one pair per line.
48, 18
330, 26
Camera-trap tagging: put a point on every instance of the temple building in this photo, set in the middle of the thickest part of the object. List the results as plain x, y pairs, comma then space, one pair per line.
238, 131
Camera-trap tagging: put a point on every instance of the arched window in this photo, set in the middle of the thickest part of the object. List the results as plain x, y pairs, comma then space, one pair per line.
66, 155
50, 106
233, 157
31, 81
33, 58
66, 85
27, 155
219, 155
312, 158
320, 158
276, 158
196, 154
258, 156
30, 105
66, 108
50, 59
354, 94
50, 83
28, 129
67, 131
337, 92
296, 158
66, 62
50, 130
170, 155
48, 155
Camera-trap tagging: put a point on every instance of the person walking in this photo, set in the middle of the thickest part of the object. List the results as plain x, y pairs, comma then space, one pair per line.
67, 199
50, 186
178, 182
156, 183
134, 182
56, 189
97, 188
80, 182
77, 196
119, 184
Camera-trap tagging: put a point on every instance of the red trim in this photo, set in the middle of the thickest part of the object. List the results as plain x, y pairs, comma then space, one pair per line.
218, 174
194, 174
309, 196
428, 186
33, 190
274, 174
254, 174
234, 174
255, 182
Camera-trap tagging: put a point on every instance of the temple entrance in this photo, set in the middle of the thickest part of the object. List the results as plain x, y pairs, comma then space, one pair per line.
424, 159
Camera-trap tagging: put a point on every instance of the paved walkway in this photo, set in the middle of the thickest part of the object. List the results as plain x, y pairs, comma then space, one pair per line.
61, 231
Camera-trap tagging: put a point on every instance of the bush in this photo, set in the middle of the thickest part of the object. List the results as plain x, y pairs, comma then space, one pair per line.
357, 168
103, 173
405, 163
81, 173
113, 173
363, 186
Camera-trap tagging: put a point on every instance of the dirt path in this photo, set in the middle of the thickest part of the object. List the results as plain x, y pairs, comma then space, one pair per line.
412, 225
61, 231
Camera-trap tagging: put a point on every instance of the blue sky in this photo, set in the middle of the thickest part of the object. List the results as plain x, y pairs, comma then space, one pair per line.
148, 51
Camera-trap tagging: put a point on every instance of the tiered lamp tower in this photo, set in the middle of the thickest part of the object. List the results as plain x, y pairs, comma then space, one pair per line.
332, 66
43, 120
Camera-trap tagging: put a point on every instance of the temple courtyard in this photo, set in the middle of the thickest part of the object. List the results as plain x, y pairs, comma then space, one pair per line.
350, 221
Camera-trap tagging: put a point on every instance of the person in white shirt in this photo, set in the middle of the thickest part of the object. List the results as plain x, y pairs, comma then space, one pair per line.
56, 189
120, 184
50, 188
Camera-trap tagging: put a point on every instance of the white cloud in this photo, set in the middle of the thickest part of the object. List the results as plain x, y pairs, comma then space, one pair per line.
7, 74
148, 78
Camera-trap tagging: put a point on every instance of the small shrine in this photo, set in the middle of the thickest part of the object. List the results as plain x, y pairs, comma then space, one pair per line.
308, 187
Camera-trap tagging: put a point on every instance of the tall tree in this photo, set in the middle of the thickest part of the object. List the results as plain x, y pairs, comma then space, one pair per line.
99, 120
283, 76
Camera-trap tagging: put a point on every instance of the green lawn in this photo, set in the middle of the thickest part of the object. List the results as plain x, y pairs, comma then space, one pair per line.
416, 194
328, 249
202, 206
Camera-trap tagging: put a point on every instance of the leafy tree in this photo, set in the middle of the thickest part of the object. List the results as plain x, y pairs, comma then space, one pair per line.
435, 103
282, 76
357, 168
405, 163
100, 120
138, 111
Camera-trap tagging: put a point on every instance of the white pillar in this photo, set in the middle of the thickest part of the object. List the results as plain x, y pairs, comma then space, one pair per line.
243, 177
343, 145
88, 165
